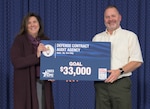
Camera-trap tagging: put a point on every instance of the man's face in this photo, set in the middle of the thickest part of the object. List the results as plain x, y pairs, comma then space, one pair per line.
112, 19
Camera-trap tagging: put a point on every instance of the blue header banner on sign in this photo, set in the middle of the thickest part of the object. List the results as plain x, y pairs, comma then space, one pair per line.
75, 60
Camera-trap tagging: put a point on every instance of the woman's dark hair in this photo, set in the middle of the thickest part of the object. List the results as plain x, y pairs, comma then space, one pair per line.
23, 28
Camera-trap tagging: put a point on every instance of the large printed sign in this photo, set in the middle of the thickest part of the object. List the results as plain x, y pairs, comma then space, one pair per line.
75, 60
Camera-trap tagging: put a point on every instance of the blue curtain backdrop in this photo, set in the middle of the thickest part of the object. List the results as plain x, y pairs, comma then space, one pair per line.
74, 20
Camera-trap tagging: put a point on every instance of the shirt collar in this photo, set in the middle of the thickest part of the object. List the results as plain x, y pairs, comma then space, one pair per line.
114, 32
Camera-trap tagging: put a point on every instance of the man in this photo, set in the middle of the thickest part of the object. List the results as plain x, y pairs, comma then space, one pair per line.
115, 91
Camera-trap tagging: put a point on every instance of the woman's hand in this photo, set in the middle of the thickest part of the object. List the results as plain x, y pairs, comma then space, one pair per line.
40, 48
51, 80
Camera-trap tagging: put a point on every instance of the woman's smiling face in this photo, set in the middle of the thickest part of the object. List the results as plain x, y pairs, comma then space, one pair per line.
33, 26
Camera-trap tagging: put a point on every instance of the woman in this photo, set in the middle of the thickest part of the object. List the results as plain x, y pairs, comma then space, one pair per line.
29, 91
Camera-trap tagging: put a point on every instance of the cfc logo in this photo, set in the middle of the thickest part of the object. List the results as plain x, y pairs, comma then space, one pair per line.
49, 73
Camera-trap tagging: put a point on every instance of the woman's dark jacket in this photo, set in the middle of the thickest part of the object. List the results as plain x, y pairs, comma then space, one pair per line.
24, 60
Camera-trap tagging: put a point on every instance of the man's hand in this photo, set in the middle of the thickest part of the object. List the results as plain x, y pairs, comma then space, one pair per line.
114, 74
